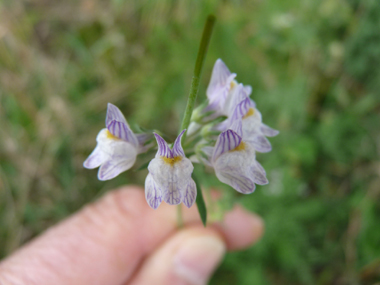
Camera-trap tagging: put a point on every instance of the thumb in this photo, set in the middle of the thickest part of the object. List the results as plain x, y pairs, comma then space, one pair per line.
188, 257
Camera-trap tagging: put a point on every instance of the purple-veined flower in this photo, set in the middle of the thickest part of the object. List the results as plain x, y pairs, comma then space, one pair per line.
221, 87
169, 177
234, 161
117, 146
254, 130
236, 95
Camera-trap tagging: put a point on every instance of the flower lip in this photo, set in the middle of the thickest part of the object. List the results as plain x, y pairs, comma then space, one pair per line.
169, 177
235, 163
112, 154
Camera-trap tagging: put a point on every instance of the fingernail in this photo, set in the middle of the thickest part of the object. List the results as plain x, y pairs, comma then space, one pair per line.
197, 259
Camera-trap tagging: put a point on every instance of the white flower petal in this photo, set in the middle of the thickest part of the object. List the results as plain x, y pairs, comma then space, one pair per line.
96, 158
268, 131
235, 168
114, 167
248, 89
171, 172
173, 194
153, 193
117, 146
251, 127
122, 157
235, 96
108, 170
166, 172
219, 79
103, 137
219, 86
258, 174
171, 177
260, 143
190, 193
261, 168
101, 153
257, 115
238, 181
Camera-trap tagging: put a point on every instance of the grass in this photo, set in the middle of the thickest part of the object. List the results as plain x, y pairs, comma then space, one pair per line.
314, 68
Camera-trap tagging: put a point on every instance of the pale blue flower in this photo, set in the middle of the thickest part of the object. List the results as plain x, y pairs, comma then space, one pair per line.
221, 87
254, 130
169, 177
117, 146
234, 161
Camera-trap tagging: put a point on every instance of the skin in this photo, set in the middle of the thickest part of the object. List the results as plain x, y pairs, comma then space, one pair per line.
120, 240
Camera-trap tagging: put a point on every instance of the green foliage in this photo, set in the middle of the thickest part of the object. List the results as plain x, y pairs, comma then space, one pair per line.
200, 202
314, 69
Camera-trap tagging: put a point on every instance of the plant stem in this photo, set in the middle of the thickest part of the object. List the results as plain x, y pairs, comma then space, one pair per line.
206, 36
179, 216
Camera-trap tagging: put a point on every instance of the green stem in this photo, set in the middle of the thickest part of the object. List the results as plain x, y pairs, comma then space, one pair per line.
179, 216
206, 36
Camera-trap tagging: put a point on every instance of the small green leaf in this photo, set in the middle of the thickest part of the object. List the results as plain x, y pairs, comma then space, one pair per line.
200, 202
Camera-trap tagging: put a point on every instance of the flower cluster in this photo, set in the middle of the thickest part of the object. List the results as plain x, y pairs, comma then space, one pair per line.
233, 156
225, 133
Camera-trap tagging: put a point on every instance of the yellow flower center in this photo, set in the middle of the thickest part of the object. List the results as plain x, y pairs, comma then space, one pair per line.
111, 136
171, 161
232, 84
240, 147
250, 112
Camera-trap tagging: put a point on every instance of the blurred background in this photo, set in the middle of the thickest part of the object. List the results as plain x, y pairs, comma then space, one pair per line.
315, 71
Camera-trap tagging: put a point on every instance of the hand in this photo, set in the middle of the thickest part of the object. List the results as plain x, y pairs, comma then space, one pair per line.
120, 240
